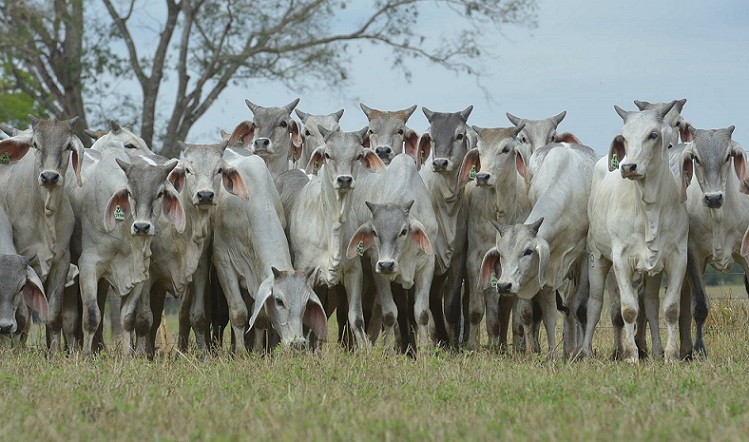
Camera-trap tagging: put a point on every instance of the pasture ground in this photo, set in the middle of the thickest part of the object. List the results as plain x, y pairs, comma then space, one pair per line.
340, 395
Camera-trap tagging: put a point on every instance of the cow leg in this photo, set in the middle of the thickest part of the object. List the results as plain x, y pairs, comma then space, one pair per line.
71, 318
158, 297
652, 303
435, 305
198, 320
237, 307
493, 308
599, 268
129, 319
54, 286
219, 310
374, 324
404, 304
518, 333
675, 269
453, 305
352, 280
617, 321
88, 279
699, 301
630, 308
641, 338
548, 303
525, 310
422, 313
475, 309
389, 309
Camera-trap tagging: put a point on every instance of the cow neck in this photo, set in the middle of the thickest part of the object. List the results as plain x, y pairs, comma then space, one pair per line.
510, 196
336, 207
447, 206
719, 226
140, 256
657, 191
279, 162
46, 205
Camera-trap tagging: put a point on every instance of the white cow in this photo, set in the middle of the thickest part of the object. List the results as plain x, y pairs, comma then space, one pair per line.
388, 132
638, 224
311, 137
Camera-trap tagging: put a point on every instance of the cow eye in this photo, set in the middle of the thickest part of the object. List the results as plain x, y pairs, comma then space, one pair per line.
160, 194
130, 146
327, 156
306, 132
400, 132
220, 171
283, 124
188, 171
523, 140
371, 132
36, 146
653, 135
696, 160
69, 147
404, 232
506, 150
528, 252
359, 157
678, 124
459, 137
553, 138
728, 158
279, 302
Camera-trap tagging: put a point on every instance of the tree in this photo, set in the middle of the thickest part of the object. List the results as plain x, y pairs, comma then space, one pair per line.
16, 104
208, 44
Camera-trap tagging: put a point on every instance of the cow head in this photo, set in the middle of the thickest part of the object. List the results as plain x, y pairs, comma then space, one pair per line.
493, 159
388, 132
713, 152
673, 118
270, 132
289, 303
537, 133
311, 136
447, 139
18, 285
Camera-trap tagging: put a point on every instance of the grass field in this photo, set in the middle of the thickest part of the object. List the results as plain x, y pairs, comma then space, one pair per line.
339, 395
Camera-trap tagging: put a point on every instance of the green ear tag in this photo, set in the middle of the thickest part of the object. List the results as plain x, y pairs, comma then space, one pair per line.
472, 173
119, 215
494, 281
315, 169
5, 158
360, 248
421, 156
614, 162
687, 180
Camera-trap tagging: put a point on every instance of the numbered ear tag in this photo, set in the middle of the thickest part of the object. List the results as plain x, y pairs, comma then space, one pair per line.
614, 162
5, 158
119, 215
472, 173
494, 280
360, 248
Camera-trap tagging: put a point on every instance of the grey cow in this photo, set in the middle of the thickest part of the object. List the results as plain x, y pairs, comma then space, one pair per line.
37, 203
539, 133
311, 136
321, 221
445, 144
270, 135
20, 287
388, 132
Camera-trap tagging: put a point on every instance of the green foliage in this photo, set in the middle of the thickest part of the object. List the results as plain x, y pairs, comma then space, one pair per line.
15, 105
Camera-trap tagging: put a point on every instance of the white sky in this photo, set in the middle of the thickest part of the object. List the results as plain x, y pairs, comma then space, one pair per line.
584, 57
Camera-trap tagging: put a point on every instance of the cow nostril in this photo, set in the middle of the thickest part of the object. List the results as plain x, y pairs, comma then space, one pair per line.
714, 200
141, 227
632, 167
266, 142
440, 164
50, 177
345, 181
386, 266
504, 287
205, 196
482, 177
5, 329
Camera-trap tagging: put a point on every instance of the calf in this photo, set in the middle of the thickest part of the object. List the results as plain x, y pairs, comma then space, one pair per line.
270, 135
37, 204
539, 255
311, 137
321, 221
638, 224
388, 132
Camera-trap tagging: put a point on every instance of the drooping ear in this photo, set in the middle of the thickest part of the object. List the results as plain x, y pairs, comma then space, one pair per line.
419, 237
687, 166
173, 209
15, 148
363, 235
296, 140
33, 294
490, 267
76, 158
567, 137
233, 182
739, 160
686, 131
244, 131
315, 317
471, 163
542, 248
520, 164
421, 151
616, 153
263, 293
411, 140
177, 177
73, 271
371, 161
559, 117
118, 209
316, 161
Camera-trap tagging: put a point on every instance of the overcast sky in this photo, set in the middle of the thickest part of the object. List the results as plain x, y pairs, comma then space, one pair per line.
584, 57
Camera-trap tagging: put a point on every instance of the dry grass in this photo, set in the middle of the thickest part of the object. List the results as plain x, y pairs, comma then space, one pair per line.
337, 395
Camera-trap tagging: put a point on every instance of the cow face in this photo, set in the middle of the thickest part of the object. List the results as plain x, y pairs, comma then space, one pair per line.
713, 152
268, 134
493, 159
311, 136
388, 132
537, 133
19, 285
448, 139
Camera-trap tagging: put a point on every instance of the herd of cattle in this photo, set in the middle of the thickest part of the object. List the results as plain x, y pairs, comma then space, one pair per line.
410, 237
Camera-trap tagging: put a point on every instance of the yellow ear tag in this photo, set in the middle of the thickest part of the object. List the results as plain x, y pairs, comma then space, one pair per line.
360, 248
5, 158
614, 162
472, 173
494, 280
315, 169
421, 156
119, 215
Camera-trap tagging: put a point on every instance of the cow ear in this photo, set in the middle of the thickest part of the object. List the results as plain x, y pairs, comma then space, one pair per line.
411, 140
567, 137
491, 269
420, 238
263, 293
739, 161
616, 153
15, 148
520, 164
316, 161
542, 248
471, 163
233, 182
118, 208
177, 177
360, 242
296, 140
76, 149
687, 166
33, 294
244, 131
421, 151
315, 317
686, 131
371, 161
173, 209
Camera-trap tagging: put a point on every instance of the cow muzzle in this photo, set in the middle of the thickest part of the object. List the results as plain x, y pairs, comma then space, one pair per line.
386, 267
714, 200
204, 198
49, 178
630, 171
384, 152
344, 183
482, 179
7, 327
262, 146
506, 288
142, 228
440, 165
